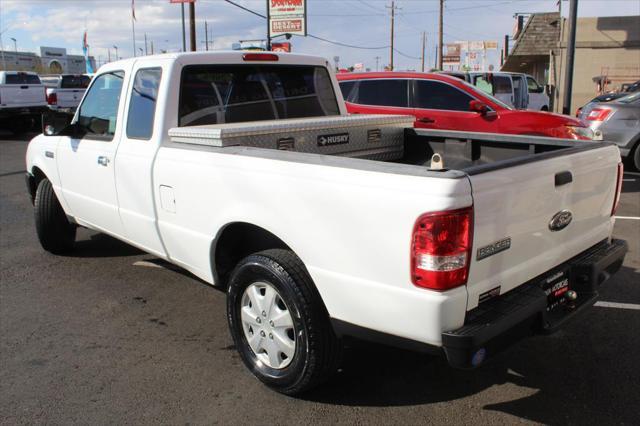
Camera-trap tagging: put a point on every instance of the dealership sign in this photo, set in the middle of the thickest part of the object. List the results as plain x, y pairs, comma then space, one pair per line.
287, 17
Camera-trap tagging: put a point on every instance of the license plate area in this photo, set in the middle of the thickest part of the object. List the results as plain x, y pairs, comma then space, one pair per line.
556, 285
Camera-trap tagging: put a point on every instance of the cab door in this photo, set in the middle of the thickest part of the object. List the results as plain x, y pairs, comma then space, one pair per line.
86, 159
440, 105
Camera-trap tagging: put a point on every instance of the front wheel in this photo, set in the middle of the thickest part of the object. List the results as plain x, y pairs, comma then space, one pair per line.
279, 324
54, 231
635, 156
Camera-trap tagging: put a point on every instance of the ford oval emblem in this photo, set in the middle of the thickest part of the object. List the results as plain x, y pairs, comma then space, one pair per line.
560, 220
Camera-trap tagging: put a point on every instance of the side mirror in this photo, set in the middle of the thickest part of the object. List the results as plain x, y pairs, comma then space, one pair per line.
479, 107
54, 123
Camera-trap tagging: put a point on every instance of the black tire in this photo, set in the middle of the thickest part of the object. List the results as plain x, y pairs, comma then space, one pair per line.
55, 233
635, 157
317, 352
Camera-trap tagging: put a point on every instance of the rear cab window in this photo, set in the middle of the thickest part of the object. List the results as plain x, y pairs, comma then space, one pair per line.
75, 82
22, 78
216, 94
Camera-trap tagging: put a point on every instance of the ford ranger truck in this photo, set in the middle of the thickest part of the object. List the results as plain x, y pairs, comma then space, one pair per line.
22, 100
244, 169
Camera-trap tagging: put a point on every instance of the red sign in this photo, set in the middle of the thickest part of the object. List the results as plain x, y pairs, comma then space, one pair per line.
281, 47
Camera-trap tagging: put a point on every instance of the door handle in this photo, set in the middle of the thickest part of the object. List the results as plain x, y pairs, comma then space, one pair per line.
103, 161
426, 120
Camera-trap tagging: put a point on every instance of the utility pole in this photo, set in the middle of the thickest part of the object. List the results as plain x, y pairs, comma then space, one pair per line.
184, 35
109, 54
145, 44
424, 43
377, 60
206, 36
393, 15
440, 49
571, 51
152, 47
192, 25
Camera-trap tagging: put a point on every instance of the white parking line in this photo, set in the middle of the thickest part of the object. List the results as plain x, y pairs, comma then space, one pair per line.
147, 264
632, 306
632, 173
629, 180
627, 217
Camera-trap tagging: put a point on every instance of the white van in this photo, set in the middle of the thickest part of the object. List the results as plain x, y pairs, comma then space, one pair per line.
521, 91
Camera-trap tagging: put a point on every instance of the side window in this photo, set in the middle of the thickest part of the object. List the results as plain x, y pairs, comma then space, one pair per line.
431, 94
99, 110
392, 93
346, 87
533, 85
502, 85
142, 107
483, 83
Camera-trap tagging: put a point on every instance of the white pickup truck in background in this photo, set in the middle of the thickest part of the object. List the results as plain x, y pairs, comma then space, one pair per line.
244, 169
22, 100
65, 91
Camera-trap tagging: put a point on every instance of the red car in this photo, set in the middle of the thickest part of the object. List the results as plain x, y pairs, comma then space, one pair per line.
443, 102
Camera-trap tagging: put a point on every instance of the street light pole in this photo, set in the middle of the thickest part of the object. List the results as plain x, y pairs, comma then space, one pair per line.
571, 51
15, 44
116, 47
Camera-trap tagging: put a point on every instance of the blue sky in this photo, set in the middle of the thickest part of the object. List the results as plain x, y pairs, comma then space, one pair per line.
363, 23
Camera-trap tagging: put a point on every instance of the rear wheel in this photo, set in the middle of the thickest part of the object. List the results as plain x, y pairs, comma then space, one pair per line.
279, 324
635, 156
55, 233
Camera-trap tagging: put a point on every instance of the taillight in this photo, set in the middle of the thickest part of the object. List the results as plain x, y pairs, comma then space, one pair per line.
598, 114
441, 249
616, 198
52, 98
260, 57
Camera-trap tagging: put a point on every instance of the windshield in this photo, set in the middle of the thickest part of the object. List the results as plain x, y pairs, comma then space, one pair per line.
630, 99
481, 93
216, 94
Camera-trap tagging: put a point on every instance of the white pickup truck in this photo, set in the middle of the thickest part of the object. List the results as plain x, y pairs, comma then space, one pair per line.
22, 99
244, 169
65, 91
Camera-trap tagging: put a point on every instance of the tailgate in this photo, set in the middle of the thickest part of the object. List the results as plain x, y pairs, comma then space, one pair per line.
23, 95
68, 98
519, 203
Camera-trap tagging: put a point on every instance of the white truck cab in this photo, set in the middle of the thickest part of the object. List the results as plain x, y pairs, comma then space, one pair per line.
244, 169
22, 99
521, 91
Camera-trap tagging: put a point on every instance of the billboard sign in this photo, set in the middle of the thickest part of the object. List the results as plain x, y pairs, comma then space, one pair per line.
491, 45
453, 49
451, 59
287, 17
281, 47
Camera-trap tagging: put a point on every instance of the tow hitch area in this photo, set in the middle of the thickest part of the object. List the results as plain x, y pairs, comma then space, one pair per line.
541, 305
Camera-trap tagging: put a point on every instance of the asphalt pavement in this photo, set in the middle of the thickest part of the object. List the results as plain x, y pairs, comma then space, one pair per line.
108, 334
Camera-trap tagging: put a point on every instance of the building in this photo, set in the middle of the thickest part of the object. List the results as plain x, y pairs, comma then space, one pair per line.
607, 50
52, 60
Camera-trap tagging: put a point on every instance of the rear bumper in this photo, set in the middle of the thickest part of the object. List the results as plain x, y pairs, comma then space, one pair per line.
29, 110
523, 311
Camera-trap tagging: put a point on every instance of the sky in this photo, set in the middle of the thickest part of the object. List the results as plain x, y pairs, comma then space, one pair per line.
361, 23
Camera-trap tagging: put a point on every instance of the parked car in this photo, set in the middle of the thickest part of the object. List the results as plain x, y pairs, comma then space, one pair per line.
439, 101
245, 169
22, 100
607, 97
65, 91
619, 122
518, 90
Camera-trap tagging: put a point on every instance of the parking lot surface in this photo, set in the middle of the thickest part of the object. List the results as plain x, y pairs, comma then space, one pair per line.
108, 334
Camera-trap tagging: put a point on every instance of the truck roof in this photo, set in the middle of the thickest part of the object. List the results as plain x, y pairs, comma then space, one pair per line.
225, 57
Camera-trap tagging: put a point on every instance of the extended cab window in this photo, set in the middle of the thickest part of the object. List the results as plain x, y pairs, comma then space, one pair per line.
22, 78
394, 93
429, 94
99, 110
214, 94
142, 106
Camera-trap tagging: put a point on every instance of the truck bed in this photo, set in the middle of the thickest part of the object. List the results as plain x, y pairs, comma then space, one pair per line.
384, 138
